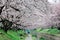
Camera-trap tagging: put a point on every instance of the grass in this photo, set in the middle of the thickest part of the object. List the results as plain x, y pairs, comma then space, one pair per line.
3, 36
50, 31
21, 35
11, 35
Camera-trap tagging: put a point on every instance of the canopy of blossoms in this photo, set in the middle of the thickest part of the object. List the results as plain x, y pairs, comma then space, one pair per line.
30, 14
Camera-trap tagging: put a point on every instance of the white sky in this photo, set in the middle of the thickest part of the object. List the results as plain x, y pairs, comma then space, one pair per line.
53, 1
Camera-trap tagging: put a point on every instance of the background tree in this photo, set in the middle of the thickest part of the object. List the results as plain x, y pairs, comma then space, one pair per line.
30, 14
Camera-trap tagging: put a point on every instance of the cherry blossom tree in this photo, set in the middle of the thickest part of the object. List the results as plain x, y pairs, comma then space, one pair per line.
30, 14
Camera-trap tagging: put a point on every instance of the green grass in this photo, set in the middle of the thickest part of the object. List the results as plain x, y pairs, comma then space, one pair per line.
21, 35
12, 35
4, 37
50, 31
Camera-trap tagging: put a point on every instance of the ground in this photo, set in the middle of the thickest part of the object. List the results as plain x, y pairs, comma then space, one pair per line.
45, 34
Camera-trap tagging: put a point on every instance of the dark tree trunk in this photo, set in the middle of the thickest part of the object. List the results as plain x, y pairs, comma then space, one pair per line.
5, 29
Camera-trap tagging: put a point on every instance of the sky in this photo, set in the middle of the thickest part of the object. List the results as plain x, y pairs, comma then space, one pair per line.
53, 1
